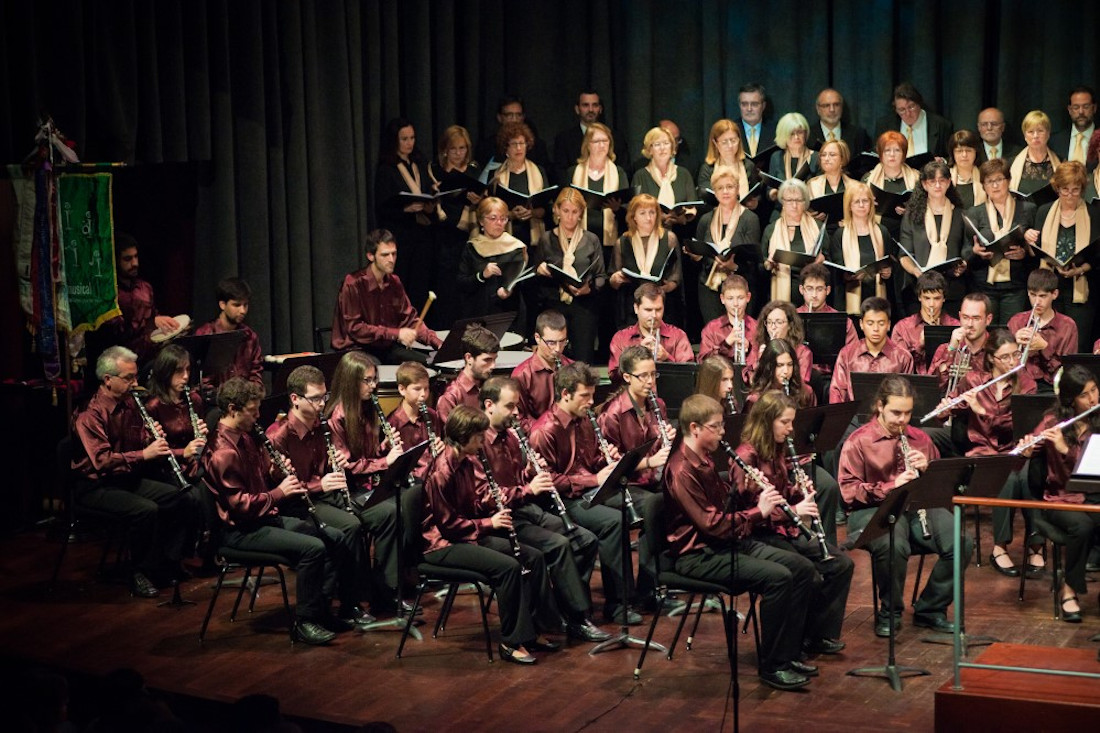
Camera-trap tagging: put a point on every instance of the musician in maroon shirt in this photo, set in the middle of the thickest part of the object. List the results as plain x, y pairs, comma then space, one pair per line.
123, 472
701, 529
234, 296
650, 331
248, 489
875, 352
373, 311
908, 333
480, 347
536, 375
814, 285
628, 420
171, 403
873, 462
1056, 334
975, 315
300, 436
729, 334
454, 535
413, 420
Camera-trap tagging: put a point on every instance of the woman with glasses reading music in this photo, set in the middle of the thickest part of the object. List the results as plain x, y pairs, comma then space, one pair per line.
795, 230
492, 259
932, 232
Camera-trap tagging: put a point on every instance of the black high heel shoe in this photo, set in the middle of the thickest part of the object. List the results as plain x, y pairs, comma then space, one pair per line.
508, 654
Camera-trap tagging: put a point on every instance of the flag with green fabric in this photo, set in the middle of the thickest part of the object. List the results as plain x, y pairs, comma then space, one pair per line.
87, 291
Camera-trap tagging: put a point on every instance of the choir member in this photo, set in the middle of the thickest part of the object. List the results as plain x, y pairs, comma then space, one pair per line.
518, 173
830, 111
892, 175
874, 461
509, 110
597, 170
374, 313
490, 253
646, 248
793, 230
1055, 334
665, 341
875, 352
535, 376
730, 333
569, 144
779, 320
932, 232
234, 296
859, 241
480, 347
663, 179
794, 159
724, 150
1034, 166
991, 126
1071, 143
923, 131
966, 177
832, 158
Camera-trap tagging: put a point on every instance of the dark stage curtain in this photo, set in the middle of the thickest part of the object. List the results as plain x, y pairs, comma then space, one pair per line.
283, 101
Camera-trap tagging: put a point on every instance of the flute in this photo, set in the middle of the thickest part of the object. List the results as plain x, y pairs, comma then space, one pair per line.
281, 463
151, 426
757, 478
970, 393
922, 514
1037, 439
806, 484
529, 454
334, 461
498, 497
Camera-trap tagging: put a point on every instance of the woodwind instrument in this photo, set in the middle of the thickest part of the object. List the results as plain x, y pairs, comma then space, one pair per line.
1033, 326
804, 482
787, 387
498, 497
959, 366
529, 454
387, 429
281, 463
424, 311
632, 515
922, 514
970, 393
1037, 439
157, 433
422, 408
196, 426
662, 424
730, 403
334, 462
758, 478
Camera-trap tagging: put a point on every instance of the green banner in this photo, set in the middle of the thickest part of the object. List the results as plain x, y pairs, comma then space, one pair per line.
88, 293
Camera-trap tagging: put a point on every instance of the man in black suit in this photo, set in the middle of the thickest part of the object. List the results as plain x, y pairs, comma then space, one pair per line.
991, 127
1072, 143
928, 132
756, 132
567, 143
830, 111
510, 109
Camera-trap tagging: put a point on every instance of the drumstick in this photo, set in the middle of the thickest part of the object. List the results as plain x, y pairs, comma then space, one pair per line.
424, 311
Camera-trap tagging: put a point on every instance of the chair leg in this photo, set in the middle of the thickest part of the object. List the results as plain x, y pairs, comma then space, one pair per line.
916, 583
286, 601
489, 598
240, 592
482, 604
695, 624
662, 594
977, 536
445, 612
412, 616
61, 555
750, 616
213, 600
680, 626
256, 588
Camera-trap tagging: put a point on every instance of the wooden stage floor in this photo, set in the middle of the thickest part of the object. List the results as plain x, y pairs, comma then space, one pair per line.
445, 684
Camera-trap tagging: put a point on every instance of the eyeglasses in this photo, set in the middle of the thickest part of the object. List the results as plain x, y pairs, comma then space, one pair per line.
316, 400
1009, 358
129, 378
910, 108
990, 125
731, 142
661, 144
552, 343
716, 427
517, 144
370, 381
770, 323
793, 202
599, 141
646, 377
995, 181
496, 217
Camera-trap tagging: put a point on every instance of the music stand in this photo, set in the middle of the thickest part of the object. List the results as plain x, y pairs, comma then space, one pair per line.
934, 337
826, 334
1027, 412
734, 424
398, 473
212, 353
452, 347
1088, 361
616, 485
819, 429
926, 390
677, 384
1085, 478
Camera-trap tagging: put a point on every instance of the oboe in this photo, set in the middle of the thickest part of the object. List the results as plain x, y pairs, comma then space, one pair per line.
631, 512
422, 408
803, 480
757, 478
498, 497
334, 462
281, 463
151, 426
529, 454
922, 514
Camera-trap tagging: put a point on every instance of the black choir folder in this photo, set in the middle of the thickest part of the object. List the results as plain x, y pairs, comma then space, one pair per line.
887, 201
831, 205
655, 278
563, 278
532, 201
679, 207
869, 270
595, 200
800, 259
939, 266
1088, 254
1014, 237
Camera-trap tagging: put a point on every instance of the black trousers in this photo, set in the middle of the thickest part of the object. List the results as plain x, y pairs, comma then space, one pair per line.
569, 571
1078, 527
380, 522
583, 319
1006, 302
605, 521
828, 499
782, 579
346, 541
908, 535
160, 516
300, 541
1014, 488
832, 580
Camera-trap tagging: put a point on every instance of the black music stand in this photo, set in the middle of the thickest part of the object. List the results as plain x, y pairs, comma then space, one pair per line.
934, 336
926, 389
819, 429
677, 384
452, 347
398, 473
1027, 412
616, 485
212, 353
826, 334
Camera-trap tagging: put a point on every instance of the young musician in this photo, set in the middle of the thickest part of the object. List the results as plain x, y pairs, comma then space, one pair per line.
565, 438
356, 427
301, 438
167, 403
234, 296
729, 335
628, 418
875, 352
874, 461
454, 535
415, 424
122, 472
815, 290
480, 346
1054, 334
764, 447
777, 370
536, 375
779, 320
374, 313
668, 342
908, 333
715, 380
249, 488
1052, 463
700, 531
570, 556
973, 333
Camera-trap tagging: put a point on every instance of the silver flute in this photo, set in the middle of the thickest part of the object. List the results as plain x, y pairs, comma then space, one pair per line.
334, 462
529, 454
1037, 439
151, 426
922, 514
804, 482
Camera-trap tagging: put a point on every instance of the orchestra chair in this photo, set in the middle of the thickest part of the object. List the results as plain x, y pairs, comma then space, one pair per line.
115, 528
322, 339
1036, 478
667, 577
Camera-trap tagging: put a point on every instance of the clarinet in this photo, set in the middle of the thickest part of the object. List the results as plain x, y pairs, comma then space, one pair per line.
387, 429
498, 497
922, 514
529, 454
730, 404
787, 387
423, 410
151, 426
333, 461
757, 478
196, 426
803, 480
280, 463
631, 512
662, 424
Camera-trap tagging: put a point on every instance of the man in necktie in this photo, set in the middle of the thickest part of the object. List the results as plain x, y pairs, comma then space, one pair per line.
924, 131
830, 110
1073, 142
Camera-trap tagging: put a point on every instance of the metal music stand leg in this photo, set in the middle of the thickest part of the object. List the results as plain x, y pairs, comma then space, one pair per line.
398, 621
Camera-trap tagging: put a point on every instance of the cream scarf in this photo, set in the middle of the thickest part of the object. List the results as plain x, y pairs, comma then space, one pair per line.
850, 246
569, 256
717, 277
797, 162
645, 252
937, 240
1002, 271
665, 194
1083, 234
610, 184
413, 182
1016, 171
505, 243
975, 183
534, 185
877, 177
781, 275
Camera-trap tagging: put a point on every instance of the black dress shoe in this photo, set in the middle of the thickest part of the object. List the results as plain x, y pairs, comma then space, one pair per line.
934, 622
142, 587
357, 616
587, 631
784, 679
1070, 617
823, 646
882, 626
633, 618
508, 654
1011, 571
806, 670
545, 645
312, 633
